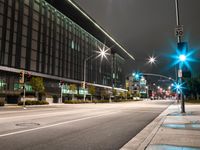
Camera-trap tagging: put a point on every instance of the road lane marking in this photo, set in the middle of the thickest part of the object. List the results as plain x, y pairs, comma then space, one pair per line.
53, 125
43, 115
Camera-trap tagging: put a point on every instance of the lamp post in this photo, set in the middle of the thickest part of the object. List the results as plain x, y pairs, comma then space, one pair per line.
101, 53
84, 78
182, 58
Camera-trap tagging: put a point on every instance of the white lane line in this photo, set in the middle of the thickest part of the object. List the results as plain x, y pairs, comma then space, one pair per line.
53, 125
42, 115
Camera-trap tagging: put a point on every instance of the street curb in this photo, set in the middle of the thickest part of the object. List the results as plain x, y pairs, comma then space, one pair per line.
144, 137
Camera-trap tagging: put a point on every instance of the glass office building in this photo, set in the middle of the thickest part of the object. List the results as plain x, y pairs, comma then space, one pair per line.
51, 39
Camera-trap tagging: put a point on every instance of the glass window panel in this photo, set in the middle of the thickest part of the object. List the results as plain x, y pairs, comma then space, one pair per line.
36, 7
35, 16
26, 10
34, 44
22, 65
24, 39
26, 2
7, 47
16, 15
1, 20
33, 65
13, 61
34, 35
14, 37
9, 12
23, 52
8, 35
24, 30
6, 59
25, 20
14, 49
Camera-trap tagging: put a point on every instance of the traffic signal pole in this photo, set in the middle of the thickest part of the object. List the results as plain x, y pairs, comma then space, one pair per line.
22, 81
180, 67
24, 103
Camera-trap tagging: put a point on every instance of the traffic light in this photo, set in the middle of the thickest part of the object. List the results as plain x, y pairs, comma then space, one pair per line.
21, 77
61, 83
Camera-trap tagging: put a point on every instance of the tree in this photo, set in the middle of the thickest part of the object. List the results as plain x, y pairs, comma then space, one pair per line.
129, 95
37, 84
114, 92
73, 88
103, 94
91, 90
122, 95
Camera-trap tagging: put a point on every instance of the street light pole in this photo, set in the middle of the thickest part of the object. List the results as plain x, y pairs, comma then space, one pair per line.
102, 53
180, 67
84, 76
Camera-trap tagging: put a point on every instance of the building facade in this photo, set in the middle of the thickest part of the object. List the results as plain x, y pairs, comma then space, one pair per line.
39, 37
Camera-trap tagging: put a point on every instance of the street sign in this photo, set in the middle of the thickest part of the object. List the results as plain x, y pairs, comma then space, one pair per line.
179, 30
180, 73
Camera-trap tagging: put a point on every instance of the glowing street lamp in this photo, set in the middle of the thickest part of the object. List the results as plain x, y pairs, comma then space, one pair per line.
182, 57
102, 53
137, 75
151, 60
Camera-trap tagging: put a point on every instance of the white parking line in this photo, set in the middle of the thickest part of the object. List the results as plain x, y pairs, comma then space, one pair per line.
53, 125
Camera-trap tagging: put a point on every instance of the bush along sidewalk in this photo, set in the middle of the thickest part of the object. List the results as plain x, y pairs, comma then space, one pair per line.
94, 101
29, 102
76, 101
2, 103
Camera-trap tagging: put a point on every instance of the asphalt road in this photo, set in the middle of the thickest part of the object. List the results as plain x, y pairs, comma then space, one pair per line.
76, 127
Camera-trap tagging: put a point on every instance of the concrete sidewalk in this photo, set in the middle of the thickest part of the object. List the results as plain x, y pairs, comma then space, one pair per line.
171, 130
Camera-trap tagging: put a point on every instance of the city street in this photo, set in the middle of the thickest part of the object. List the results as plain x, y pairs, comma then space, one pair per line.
76, 127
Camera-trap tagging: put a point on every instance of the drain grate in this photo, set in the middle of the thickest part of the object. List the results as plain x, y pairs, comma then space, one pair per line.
27, 124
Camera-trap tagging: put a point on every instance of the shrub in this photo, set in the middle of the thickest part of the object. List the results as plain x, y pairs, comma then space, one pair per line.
101, 101
29, 102
76, 101
20, 103
2, 103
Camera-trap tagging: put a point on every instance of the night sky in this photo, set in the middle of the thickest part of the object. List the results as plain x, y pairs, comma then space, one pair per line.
146, 27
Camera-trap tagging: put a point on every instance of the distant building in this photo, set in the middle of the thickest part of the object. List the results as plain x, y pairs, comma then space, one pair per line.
51, 39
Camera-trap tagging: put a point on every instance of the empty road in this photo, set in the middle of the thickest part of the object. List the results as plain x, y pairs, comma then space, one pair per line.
76, 126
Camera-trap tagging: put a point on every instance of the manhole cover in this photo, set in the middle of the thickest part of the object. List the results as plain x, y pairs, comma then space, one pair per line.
28, 124
170, 147
187, 126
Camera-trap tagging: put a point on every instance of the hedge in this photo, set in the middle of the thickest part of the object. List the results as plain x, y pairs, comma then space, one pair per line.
29, 102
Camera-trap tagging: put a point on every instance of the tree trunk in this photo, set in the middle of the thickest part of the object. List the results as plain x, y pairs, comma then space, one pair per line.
37, 95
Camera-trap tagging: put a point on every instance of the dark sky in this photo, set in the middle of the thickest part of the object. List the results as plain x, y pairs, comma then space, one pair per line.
146, 27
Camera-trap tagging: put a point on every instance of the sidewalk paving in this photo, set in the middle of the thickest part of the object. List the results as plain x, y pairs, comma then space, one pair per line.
171, 130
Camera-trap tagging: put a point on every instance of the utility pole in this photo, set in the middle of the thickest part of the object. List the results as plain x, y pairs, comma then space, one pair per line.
179, 34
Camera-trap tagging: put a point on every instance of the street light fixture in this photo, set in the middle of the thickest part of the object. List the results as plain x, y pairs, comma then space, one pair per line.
182, 58
151, 60
103, 52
